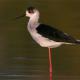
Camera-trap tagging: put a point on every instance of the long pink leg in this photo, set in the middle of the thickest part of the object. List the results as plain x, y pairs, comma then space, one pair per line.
50, 62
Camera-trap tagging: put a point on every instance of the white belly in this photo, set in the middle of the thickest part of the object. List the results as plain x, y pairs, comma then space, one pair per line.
44, 42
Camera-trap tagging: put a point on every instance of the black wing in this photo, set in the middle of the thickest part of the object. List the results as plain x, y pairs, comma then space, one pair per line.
54, 34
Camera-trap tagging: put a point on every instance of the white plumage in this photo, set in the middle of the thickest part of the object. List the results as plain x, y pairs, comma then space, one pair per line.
50, 39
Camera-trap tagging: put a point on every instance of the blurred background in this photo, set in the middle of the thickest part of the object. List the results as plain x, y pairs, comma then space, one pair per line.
21, 58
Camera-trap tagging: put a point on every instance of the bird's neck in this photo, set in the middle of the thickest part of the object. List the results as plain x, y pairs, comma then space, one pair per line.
33, 21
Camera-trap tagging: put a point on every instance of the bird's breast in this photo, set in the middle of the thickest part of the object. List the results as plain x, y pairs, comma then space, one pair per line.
43, 41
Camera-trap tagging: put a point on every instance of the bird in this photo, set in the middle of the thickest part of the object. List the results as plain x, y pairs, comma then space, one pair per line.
46, 35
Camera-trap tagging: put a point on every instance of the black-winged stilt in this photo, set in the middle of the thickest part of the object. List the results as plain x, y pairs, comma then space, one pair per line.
45, 35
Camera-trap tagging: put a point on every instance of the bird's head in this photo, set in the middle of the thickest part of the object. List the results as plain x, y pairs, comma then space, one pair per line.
32, 11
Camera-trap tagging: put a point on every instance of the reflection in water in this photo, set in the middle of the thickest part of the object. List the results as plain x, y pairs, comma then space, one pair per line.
21, 58
23, 68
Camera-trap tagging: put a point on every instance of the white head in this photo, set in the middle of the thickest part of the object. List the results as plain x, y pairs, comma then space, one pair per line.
31, 11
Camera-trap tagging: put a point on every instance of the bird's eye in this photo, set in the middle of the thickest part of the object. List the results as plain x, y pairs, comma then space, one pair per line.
31, 11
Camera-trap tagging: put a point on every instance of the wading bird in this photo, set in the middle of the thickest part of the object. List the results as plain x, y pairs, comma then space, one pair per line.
45, 35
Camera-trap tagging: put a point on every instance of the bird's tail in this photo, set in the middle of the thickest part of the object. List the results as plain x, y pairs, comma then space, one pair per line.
77, 42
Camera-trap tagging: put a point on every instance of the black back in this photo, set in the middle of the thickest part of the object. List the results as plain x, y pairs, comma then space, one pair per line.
54, 34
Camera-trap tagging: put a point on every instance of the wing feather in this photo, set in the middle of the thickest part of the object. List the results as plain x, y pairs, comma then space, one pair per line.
54, 34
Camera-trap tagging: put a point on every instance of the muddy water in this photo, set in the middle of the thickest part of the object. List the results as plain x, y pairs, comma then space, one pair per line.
21, 58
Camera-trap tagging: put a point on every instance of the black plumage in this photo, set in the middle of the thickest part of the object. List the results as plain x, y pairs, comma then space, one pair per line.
55, 34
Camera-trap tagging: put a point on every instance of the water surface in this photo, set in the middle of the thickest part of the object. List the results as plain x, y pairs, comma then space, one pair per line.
21, 58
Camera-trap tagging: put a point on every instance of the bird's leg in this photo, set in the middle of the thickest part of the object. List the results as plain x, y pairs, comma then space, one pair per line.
50, 62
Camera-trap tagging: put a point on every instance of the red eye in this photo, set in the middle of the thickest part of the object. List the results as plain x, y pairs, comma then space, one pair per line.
31, 11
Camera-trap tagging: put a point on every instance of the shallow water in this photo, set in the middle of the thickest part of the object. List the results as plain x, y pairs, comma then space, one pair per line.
21, 58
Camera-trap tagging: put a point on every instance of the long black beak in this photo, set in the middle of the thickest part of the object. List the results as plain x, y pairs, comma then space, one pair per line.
18, 17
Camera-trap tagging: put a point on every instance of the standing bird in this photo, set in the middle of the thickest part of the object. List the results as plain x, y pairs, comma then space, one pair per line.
45, 35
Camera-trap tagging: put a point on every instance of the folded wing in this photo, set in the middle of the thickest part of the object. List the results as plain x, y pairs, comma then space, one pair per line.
54, 34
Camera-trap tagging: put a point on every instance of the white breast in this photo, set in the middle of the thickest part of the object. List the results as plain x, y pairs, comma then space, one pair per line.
42, 41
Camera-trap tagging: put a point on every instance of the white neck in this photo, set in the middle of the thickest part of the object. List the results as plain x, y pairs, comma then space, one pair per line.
33, 21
